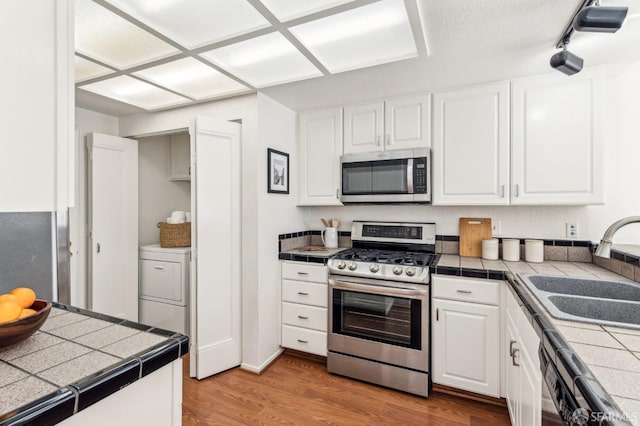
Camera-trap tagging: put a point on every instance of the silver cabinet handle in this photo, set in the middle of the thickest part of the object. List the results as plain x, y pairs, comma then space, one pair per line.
511, 343
302, 317
464, 291
338, 193
378, 140
513, 357
388, 139
303, 273
437, 314
515, 190
160, 268
97, 247
501, 191
303, 341
302, 293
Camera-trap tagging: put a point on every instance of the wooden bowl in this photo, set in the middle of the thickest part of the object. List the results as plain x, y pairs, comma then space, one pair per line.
16, 331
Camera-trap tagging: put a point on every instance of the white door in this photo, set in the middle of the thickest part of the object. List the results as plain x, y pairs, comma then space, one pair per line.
465, 346
407, 123
363, 128
113, 240
320, 147
471, 146
215, 283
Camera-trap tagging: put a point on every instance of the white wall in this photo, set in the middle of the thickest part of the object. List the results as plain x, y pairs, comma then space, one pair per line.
158, 196
276, 214
86, 122
621, 177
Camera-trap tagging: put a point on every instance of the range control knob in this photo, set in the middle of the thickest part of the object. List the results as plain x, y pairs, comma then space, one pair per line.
352, 266
411, 271
374, 268
397, 270
341, 264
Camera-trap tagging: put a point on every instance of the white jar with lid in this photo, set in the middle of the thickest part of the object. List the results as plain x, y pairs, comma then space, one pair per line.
534, 251
511, 250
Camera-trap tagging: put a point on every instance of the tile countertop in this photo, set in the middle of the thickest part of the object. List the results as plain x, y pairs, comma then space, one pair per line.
77, 358
602, 362
300, 255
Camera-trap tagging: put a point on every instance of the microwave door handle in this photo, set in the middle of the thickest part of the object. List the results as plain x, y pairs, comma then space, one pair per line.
410, 176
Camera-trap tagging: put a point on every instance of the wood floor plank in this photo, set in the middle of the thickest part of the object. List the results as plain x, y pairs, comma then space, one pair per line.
298, 391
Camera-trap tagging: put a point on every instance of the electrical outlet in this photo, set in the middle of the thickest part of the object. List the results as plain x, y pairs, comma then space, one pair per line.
496, 228
571, 229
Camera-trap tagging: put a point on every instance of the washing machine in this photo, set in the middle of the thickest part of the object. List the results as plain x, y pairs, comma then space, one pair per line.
163, 287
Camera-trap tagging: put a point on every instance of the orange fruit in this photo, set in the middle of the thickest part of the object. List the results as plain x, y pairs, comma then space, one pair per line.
27, 312
9, 311
26, 296
8, 297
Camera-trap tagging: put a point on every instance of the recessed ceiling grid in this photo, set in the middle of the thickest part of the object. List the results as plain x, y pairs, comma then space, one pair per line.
183, 51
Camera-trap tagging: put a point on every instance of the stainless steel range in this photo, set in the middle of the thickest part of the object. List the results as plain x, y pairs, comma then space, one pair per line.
379, 305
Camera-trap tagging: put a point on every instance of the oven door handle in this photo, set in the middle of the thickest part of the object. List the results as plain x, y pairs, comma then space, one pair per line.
378, 289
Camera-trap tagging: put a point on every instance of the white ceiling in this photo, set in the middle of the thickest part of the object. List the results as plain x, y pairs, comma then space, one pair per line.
304, 64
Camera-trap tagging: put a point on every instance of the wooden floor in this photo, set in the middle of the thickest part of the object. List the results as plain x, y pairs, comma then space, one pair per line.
299, 391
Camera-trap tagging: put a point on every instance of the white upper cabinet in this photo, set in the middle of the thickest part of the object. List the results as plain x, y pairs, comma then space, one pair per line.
319, 151
37, 105
557, 140
180, 157
471, 145
395, 124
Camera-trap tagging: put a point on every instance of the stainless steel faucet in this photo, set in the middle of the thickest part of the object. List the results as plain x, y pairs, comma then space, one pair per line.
604, 248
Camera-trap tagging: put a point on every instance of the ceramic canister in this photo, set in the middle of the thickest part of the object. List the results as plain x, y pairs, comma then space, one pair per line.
511, 250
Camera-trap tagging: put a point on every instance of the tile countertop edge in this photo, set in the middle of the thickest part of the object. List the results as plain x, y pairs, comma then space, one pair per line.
74, 397
587, 388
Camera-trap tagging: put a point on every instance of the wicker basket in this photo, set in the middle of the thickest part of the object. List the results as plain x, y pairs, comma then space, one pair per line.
175, 235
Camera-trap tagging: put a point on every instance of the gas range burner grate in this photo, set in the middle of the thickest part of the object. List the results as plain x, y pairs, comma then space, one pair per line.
386, 256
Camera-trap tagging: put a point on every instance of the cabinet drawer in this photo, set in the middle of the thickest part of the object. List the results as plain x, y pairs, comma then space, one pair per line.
467, 290
304, 340
307, 293
304, 316
163, 281
304, 272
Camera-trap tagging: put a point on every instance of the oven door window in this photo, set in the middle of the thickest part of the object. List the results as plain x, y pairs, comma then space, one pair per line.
375, 177
392, 320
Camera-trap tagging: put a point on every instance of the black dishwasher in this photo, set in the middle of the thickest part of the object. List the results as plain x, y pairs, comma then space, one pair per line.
559, 406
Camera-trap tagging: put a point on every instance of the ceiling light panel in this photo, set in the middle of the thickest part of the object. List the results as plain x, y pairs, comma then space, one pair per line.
192, 78
264, 61
194, 23
107, 37
135, 92
286, 10
370, 35
86, 70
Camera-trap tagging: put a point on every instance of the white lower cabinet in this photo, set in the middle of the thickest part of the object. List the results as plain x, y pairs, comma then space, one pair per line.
304, 307
466, 329
523, 379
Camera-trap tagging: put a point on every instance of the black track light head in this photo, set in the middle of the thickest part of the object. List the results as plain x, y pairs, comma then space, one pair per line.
600, 19
566, 62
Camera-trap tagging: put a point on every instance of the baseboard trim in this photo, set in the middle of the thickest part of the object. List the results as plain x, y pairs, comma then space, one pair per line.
500, 402
263, 366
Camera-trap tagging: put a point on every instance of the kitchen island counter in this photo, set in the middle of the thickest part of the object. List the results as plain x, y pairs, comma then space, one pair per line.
80, 358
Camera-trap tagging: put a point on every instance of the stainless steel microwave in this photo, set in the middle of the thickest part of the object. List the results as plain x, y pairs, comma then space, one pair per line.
396, 176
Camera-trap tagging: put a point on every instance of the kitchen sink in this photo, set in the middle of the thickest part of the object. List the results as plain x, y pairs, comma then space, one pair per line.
605, 302
587, 287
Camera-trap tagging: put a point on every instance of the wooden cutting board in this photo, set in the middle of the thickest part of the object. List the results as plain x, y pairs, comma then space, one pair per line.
472, 232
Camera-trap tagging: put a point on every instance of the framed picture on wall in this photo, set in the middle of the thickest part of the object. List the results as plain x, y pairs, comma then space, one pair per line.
278, 171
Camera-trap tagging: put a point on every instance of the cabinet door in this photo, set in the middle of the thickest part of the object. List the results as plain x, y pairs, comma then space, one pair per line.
471, 146
465, 346
320, 148
530, 392
363, 128
180, 157
557, 140
37, 105
512, 375
407, 123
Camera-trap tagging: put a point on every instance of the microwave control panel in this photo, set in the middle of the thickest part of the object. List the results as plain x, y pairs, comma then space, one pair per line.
420, 175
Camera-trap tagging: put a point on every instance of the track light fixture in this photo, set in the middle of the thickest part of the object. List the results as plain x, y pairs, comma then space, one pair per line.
566, 62
591, 17
600, 19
